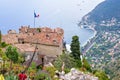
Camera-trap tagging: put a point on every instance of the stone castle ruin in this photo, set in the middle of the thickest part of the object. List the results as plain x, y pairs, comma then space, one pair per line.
49, 41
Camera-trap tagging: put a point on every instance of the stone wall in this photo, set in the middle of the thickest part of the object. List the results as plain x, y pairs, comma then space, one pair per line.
49, 50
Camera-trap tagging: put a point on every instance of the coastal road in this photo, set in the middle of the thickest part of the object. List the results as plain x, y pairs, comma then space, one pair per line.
89, 45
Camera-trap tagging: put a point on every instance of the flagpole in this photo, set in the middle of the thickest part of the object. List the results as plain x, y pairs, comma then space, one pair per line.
34, 22
34, 18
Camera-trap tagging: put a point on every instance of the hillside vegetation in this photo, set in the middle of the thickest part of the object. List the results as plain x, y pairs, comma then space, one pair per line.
105, 52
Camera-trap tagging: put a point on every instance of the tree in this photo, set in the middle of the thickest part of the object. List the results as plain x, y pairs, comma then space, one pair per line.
3, 57
1, 52
75, 50
75, 47
3, 45
67, 59
21, 58
12, 54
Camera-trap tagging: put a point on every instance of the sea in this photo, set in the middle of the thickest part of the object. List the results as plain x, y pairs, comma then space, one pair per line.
52, 13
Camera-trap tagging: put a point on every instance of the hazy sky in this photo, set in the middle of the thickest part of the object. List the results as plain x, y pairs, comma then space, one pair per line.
20, 12
53, 13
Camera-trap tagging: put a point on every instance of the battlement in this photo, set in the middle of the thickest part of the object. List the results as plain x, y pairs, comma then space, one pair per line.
27, 29
44, 35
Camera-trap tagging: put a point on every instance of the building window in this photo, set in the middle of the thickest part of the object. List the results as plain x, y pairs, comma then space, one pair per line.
54, 41
21, 40
47, 36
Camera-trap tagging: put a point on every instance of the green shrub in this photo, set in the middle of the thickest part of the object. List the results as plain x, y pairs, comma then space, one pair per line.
86, 65
42, 76
33, 65
78, 63
11, 77
67, 70
51, 71
3, 44
101, 75
67, 59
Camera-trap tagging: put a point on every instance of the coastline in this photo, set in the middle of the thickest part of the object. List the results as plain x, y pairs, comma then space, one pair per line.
90, 41
94, 35
88, 44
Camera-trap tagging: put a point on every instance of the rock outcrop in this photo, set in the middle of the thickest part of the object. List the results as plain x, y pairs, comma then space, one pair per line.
75, 74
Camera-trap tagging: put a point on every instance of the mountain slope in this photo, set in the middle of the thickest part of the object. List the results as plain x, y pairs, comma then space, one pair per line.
113, 69
105, 51
105, 11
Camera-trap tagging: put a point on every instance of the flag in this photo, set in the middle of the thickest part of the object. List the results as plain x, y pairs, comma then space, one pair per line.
36, 15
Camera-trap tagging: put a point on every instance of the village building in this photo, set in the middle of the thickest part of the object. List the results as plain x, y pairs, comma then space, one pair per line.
49, 42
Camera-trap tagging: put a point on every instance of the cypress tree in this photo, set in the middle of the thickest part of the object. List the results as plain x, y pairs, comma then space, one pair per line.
75, 47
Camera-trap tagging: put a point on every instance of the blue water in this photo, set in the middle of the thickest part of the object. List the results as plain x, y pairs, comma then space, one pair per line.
53, 13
